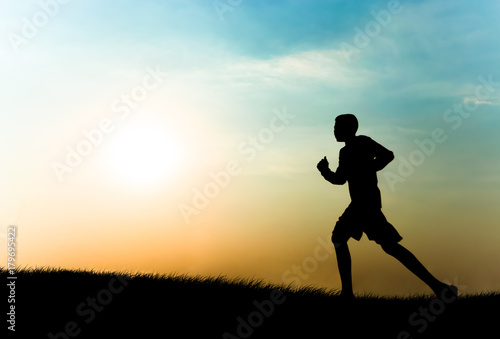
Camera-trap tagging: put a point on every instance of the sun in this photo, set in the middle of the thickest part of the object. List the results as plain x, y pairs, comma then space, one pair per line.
144, 154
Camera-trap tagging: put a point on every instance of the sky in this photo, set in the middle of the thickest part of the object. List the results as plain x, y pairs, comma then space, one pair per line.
183, 136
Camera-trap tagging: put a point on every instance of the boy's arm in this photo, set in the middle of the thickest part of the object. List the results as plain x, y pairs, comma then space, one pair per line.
382, 156
335, 178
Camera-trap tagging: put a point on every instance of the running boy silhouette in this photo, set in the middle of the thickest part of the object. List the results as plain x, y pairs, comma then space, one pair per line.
359, 162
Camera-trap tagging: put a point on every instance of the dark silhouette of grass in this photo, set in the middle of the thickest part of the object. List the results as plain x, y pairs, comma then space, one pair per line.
92, 304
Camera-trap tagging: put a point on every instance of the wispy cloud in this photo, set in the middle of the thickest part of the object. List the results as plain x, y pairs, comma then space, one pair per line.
316, 66
476, 101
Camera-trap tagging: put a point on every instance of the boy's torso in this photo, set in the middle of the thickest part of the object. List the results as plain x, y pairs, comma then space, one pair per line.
356, 162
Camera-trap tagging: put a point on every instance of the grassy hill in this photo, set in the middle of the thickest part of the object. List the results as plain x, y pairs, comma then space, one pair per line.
52, 303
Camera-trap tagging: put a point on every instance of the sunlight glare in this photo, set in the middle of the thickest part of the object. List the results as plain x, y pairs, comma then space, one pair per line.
145, 154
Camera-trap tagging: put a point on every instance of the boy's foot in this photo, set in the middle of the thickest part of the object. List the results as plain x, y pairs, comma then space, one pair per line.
448, 292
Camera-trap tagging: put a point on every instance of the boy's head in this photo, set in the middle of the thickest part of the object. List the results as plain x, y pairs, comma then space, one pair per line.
346, 126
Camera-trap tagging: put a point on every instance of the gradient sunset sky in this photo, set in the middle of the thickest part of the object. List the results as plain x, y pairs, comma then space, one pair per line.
179, 136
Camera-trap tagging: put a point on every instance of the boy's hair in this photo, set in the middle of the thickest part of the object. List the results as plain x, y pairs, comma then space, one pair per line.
348, 121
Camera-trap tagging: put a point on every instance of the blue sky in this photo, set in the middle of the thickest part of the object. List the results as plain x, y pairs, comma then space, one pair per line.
225, 78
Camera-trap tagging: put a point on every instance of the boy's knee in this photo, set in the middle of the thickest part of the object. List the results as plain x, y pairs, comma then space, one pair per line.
337, 242
389, 248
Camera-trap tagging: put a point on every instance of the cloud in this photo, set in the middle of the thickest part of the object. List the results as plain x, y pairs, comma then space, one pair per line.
315, 67
476, 101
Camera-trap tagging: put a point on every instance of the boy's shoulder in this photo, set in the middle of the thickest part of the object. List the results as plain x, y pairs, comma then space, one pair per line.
363, 138
362, 141
366, 141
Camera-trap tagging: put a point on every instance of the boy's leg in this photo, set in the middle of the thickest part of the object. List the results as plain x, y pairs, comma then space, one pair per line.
412, 263
344, 265
346, 228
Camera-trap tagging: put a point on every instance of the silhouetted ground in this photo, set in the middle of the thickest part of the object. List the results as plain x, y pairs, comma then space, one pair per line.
87, 304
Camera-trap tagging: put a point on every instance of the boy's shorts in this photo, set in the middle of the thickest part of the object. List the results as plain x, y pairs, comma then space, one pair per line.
355, 220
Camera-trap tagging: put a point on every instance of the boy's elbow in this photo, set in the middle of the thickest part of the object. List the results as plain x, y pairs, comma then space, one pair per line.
337, 182
390, 156
384, 160
334, 179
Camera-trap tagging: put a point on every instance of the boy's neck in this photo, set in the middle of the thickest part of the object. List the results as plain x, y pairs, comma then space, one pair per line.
349, 140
